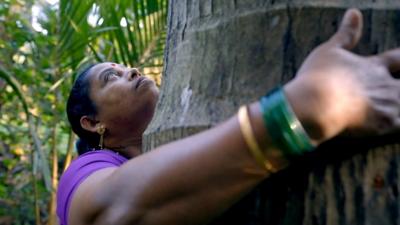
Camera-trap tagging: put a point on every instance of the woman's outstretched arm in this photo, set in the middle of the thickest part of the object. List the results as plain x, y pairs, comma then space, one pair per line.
192, 180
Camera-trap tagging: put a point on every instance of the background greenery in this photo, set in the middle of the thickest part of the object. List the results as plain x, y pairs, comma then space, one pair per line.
43, 45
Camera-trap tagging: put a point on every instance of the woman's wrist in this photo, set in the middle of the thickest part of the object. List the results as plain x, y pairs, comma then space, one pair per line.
274, 155
312, 107
285, 129
286, 122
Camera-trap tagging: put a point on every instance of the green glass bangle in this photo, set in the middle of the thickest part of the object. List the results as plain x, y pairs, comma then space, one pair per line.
284, 128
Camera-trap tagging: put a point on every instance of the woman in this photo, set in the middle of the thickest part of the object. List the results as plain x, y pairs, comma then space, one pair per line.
192, 180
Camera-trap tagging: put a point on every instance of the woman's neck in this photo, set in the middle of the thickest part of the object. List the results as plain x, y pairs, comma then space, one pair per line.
128, 148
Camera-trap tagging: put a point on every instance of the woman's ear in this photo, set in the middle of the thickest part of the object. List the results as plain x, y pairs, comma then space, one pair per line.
89, 124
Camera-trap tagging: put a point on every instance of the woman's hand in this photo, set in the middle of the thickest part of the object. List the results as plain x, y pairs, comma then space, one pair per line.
336, 90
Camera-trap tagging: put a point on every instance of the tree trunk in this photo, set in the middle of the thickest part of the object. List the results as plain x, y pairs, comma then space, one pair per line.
221, 54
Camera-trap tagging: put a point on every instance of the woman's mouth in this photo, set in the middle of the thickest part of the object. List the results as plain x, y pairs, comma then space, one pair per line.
139, 81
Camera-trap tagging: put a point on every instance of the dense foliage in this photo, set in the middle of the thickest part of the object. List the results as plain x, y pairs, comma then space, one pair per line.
43, 45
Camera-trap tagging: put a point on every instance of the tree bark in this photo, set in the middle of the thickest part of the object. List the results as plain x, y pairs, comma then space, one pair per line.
221, 54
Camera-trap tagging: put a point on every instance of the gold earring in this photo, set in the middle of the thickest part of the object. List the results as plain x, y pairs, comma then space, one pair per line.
101, 130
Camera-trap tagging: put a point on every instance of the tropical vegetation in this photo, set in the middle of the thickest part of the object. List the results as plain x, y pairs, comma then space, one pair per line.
43, 46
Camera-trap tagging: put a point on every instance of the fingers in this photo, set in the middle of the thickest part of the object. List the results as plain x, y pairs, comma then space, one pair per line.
391, 59
349, 32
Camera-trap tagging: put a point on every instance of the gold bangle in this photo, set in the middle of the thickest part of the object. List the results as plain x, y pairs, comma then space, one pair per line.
247, 132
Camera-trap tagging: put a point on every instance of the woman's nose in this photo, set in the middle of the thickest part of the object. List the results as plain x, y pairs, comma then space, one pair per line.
134, 72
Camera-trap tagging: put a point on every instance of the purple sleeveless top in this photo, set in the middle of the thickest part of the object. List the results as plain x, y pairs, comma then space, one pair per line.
77, 172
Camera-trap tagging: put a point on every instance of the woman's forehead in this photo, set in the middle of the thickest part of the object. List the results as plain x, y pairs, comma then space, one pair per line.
107, 65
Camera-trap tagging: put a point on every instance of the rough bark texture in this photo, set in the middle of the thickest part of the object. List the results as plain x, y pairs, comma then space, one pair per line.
224, 53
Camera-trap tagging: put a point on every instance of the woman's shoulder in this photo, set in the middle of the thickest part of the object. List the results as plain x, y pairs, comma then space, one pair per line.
92, 161
88, 163
100, 156
79, 169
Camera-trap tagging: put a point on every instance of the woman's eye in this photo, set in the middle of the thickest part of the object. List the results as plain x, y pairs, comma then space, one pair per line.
111, 75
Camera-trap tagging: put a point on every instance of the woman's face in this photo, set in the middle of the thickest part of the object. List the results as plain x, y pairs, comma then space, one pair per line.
125, 99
